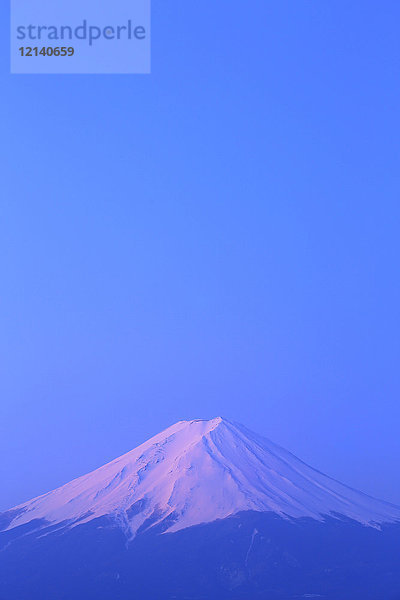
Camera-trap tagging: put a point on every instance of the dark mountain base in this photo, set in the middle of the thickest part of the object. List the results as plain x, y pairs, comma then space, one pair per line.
252, 556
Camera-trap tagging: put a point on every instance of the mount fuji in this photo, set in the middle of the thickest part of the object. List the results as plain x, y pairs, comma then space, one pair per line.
205, 509
197, 472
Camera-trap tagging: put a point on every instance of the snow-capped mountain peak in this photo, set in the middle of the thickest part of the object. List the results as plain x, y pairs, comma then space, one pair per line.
197, 472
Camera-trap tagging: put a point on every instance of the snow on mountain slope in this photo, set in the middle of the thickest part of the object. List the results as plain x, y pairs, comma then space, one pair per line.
199, 471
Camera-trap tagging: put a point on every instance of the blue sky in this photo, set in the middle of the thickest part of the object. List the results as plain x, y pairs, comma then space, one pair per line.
217, 238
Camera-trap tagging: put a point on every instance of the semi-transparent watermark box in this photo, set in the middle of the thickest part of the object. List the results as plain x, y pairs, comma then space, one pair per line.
85, 36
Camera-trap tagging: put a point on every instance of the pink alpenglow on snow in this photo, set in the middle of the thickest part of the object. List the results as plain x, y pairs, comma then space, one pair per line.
197, 472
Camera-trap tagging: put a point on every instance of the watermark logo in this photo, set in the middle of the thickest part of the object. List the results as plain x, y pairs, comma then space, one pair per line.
80, 37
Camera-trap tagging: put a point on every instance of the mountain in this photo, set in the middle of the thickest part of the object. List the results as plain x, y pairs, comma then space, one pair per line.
197, 472
227, 513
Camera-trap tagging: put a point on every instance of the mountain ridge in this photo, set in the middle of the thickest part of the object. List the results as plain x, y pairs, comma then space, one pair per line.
195, 472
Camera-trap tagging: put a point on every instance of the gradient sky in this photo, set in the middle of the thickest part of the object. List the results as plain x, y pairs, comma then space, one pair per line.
218, 238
